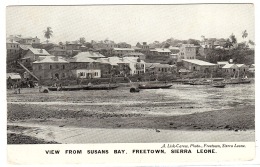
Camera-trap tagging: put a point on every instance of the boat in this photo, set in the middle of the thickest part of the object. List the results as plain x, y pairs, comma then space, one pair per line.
218, 85
67, 88
101, 87
154, 86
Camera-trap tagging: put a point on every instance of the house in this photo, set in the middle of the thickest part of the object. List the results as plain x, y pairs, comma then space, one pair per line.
123, 45
199, 65
144, 47
230, 69
222, 63
126, 65
32, 55
72, 48
174, 50
57, 50
24, 40
135, 54
242, 68
158, 68
137, 49
121, 51
51, 67
12, 79
83, 66
252, 68
12, 47
160, 52
187, 51
213, 42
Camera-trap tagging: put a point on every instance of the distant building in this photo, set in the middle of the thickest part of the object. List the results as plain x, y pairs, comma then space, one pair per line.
51, 67
72, 48
135, 54
174, 50
157, 68
123, 45
121, 51
199, 65
57, 50
12, 47
144, 47
160, 52
187, 51
212, 42
24, 40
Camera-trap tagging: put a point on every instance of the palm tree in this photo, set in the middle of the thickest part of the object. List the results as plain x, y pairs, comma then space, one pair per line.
244, 34
48, 33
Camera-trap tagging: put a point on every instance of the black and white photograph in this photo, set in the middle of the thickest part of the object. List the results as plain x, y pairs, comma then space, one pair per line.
106, 74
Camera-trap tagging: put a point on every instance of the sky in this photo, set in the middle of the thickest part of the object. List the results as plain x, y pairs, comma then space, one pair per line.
132, 23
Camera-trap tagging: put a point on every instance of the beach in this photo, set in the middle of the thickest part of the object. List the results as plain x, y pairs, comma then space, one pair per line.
163, 115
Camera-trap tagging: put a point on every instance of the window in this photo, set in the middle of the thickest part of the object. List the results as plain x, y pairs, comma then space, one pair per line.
40, 67
50, 66
63, 66
57, 66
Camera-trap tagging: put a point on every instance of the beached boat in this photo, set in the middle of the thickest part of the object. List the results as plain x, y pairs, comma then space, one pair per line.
238, 81
154, 86
101, 87
218, 85
67, 88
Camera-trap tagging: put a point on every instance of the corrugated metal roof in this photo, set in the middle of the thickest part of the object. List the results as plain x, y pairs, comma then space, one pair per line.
230, 66
222, 62
198, 62
82, 55
51, 59
38, 51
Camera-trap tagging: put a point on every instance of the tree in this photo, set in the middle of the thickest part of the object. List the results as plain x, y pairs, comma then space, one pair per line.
251, 42
233, 39
193, 41
48, 33
82, 40
244, 34
60, 43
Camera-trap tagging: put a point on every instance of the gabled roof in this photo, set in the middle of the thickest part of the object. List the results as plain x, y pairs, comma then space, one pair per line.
82, 55
230, 66
198, 62
51, 59
38, 51
241, 65
222, 62
25, 47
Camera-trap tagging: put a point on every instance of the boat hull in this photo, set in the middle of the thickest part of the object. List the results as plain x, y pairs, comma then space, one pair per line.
154, 86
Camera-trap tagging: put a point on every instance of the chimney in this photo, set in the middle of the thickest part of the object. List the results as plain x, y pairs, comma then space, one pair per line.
231, 61
41, 51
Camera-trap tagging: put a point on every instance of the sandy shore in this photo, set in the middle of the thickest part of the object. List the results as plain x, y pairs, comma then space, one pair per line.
75, 135
173, 114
